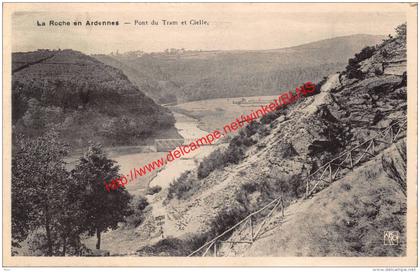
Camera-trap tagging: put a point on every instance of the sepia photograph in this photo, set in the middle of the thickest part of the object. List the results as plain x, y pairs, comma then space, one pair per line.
210, 134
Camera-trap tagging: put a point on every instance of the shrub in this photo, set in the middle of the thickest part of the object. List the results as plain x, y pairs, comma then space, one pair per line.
181, 186
153, 190
234, 154
366, 53
165, 247
270, 189
252, 128
264, 131
269, 117
138, 205
319, 85
215, 160
352, 68
174, 246
294, 187
235, 151
226, 219
402, 31
241, 140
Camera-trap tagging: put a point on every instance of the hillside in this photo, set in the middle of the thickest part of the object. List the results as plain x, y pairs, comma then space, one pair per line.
273, 157
179, 75
346, 219
82, 98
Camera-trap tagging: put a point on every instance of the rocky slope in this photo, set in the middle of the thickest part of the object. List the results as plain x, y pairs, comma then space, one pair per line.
349, 108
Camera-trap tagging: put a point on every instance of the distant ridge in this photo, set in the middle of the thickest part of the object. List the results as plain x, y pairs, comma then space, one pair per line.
181, 75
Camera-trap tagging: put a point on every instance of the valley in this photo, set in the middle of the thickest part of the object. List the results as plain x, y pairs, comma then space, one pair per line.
181, 207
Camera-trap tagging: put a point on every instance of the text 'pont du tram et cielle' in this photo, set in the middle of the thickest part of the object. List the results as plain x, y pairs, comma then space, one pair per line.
166, 22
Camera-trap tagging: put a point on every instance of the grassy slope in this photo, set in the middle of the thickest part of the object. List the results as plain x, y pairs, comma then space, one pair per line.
346, 219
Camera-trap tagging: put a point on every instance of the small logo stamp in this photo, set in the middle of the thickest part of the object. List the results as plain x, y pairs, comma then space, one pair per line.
391, 238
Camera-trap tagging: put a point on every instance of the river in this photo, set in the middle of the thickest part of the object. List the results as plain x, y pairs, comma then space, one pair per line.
188, 128
127, 240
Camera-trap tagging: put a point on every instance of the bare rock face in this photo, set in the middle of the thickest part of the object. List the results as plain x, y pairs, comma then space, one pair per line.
398, 68
379, 97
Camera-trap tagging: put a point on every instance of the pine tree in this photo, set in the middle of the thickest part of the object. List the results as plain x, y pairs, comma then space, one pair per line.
103, 209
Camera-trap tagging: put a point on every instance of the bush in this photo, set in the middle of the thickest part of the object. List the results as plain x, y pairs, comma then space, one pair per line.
366, 53
234, 154
252, 128
226, 219
319, 85
269, 117
353, 67
153, 190
264, 131
241, 140
165, 247
139, 204
235, 151
215, 160
402, 31
181, 186
269, 189
174, 246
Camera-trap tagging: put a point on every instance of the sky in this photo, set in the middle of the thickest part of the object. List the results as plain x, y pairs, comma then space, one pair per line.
230, 27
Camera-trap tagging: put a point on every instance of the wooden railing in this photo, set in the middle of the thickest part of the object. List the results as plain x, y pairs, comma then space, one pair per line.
247, 220
315, 182
331, 170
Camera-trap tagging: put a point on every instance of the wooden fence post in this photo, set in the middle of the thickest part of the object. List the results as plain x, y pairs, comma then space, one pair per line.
373, 147
252, 229
215, 249
396, 134
330, 173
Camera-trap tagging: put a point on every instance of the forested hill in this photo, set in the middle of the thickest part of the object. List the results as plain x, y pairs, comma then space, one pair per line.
82, 98
180, 75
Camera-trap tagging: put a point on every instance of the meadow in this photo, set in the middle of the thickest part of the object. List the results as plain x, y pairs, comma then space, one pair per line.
216, 113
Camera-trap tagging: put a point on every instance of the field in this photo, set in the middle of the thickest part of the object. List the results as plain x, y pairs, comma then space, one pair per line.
216, 113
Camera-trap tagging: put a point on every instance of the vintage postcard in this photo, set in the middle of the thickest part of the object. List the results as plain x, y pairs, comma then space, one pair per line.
210, 134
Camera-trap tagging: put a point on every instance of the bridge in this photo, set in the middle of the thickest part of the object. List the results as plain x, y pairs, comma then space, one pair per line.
166, 145
320, 179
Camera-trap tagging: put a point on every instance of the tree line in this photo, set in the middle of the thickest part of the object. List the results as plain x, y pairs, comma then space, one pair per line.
53, 207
